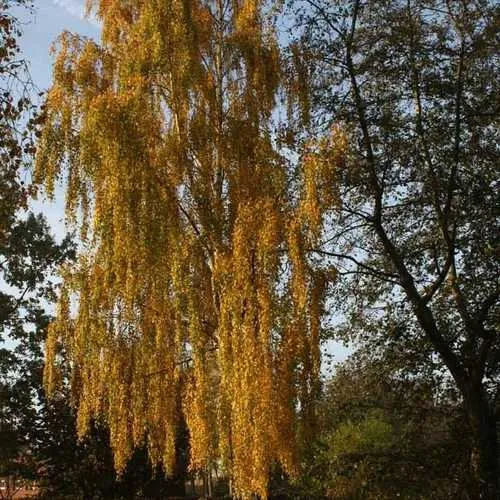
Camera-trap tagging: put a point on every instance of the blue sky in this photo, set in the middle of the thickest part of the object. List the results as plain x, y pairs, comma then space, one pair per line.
50, 19
41, 30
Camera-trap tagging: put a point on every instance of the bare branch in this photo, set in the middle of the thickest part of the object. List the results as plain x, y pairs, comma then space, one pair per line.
372, 271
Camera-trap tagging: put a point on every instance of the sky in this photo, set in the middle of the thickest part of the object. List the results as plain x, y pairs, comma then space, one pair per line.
41, 30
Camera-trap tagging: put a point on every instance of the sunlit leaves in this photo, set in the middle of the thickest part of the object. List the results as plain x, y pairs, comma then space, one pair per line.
194, 244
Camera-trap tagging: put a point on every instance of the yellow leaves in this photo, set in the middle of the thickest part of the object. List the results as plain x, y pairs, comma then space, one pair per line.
298, 260
49, 156
203, 24
50, 374
248, 16
199, 418
319, 283
58, 334
319, 167
310, 204
195, 244
299, 85
62, 70
246, 327
85, 73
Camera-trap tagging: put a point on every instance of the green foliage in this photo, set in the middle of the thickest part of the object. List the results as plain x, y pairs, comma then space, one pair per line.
385, 432
411, 83
350, 451
29, 256
372, 434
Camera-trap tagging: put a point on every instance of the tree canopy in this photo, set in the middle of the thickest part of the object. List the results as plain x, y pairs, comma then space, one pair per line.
415, 235
223, 176
193, 290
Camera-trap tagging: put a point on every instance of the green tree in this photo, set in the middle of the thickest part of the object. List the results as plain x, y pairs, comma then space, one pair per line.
389, 430
29, 256
415, 237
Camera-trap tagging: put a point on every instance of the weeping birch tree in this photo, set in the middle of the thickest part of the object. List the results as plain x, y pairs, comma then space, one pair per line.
193, 295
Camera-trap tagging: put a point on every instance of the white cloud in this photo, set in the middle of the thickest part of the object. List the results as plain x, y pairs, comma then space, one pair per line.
77, 9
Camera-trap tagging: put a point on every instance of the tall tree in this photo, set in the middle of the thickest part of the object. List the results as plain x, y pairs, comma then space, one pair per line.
193, 283
38, 438
416, 234
29, 257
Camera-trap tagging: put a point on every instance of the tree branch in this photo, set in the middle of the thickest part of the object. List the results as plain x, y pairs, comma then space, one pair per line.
372, 271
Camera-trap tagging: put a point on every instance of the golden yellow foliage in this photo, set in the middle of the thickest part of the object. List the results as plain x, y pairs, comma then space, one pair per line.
193, 290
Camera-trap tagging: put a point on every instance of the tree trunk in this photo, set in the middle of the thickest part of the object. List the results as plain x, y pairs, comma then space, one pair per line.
482, 416
484, 460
